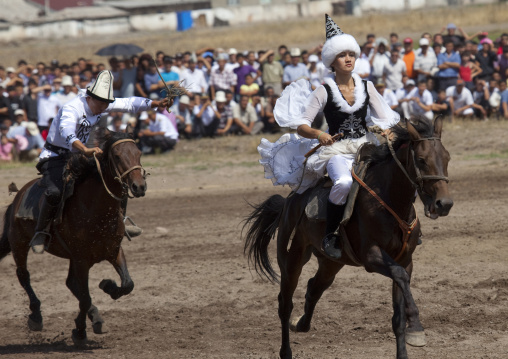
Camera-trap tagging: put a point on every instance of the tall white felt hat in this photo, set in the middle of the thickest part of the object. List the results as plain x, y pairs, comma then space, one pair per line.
336, 42
102, 89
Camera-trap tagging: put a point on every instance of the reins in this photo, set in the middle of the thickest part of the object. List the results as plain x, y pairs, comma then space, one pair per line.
119, 177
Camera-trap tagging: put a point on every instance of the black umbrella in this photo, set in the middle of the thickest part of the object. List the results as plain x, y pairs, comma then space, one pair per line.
119, 50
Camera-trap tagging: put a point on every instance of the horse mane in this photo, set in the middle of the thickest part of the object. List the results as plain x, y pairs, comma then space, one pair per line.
81, 167
377, 154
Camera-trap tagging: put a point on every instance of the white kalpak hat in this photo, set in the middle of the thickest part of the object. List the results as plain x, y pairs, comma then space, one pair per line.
102, 89
336, 42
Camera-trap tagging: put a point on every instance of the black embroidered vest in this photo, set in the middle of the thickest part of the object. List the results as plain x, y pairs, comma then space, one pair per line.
353, 125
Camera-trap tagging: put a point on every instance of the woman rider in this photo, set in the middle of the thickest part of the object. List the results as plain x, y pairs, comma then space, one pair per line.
350, 105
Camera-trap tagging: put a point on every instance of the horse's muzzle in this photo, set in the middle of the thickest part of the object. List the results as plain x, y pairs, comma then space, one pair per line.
138, 188
438, 208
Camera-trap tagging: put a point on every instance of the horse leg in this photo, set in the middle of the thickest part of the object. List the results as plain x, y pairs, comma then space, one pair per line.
109, 286
316, 286
291, 264
35, 317
77, 282
378, 261
415, 336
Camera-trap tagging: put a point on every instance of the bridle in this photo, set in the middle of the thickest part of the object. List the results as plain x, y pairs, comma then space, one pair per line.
119, 177
419, 181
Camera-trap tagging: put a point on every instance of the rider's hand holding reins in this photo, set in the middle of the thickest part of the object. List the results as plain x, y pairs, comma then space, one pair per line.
88, 152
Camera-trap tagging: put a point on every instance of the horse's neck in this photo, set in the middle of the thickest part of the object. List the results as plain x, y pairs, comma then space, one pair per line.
99, 189
394, 187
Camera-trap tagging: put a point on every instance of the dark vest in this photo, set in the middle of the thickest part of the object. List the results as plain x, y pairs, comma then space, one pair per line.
353, 125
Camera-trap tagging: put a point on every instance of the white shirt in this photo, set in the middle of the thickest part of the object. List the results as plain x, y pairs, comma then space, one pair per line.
163, 124
194, 81
47, 107
362, 65
75, 120
465, 98
393, 74
207, 116
378, 64
425, 98
425, 63
390, 98
63, 98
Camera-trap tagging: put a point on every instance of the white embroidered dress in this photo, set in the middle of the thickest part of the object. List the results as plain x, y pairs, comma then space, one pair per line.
298, 105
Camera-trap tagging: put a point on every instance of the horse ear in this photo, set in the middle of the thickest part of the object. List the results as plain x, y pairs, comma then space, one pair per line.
129, 130
412, 131
438, 126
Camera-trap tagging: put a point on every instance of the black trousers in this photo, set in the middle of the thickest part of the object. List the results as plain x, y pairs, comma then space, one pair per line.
162, 142
52, 170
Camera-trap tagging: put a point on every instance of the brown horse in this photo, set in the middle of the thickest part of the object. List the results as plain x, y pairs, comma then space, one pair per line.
419, 161
91, 229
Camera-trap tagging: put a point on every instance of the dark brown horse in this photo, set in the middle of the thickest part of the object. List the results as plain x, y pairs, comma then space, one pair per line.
91, 229
374, 233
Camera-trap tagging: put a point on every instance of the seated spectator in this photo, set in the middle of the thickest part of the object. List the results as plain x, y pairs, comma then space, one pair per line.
270, 125
5, 144
11, 145
160, 134
393, 71
245, 118
461, 100
225, 114
425, 61
242, 70
388, 95
194, 80
230, 100
420, 101
116, 123
296, 70
481, 97
249, 88
402, 97
504, 100
206, 120
441, 106
35, 142
183, 115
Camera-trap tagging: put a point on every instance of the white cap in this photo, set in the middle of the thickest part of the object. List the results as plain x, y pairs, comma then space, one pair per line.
19, 112
67, 81
102, 89
424, 42
143, 116
410, 82
31, 127
313, 58
232, 51
220, 96
223, 56
185, 99
295, 52
10, 69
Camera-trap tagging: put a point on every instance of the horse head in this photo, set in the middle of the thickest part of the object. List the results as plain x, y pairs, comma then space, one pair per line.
430, 170
125, 162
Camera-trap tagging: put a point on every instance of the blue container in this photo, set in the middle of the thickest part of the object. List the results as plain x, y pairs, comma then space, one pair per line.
184, 20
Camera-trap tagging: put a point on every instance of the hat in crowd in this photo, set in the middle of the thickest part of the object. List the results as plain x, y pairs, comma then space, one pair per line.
313, 58
10, 69
232, 51
380, 83
143, 116
185, 99
424, 42
167, 59
220, 96
408, 40
410, 82
154, 96
223, 56
460, 82
451, 26
57, 79
179, 55
381, 40
31, 127
102, 89
67, 81
207, 54
487, 41
336, 42
483, 33
295, 52
19, 112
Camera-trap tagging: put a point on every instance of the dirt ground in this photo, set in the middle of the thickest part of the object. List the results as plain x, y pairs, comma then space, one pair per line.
195, 296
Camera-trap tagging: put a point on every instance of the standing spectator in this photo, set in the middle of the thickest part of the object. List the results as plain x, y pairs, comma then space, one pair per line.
424, 61
153, 83
222, 79
461, 100
503, 63
379, 60
128, 79
362, 64
245, 118
194, 80
66, 95
468, 70
296, 70
315, 72
394, 38
449, 65
29, 102
224, 113
420, 101
409, 57
452, 36
47, 107
233, 59
487, 59
503, 41
272, 73
115, 70
393, 72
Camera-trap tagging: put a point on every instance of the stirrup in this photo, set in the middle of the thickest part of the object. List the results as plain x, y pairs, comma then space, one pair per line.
37, 247
131, 230
330, 245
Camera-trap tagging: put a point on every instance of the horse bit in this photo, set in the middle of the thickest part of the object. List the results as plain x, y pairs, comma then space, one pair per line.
119, 177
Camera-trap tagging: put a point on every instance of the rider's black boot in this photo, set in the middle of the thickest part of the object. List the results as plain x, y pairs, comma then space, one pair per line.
46, 215
331, 241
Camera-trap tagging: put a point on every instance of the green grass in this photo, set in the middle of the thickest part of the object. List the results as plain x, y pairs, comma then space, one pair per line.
488, 156
15, 165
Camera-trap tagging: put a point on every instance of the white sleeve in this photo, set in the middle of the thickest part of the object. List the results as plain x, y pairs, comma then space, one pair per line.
469, 97
68, 122
298, 105
130, 104
427, 98
380, 113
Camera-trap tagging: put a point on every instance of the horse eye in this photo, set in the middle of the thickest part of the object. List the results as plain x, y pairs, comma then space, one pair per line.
422, 162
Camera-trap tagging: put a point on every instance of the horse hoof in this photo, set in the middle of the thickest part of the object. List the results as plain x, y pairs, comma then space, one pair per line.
77, 339
293, 326
34, 326
99, 328
416, 339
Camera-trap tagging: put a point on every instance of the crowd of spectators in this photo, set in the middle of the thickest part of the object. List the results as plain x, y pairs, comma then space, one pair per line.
227, 92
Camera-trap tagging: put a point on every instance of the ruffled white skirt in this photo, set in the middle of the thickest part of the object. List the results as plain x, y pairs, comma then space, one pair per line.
284, 160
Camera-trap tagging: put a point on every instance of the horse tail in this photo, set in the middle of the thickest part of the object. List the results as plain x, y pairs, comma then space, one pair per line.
5, 247
264, 221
